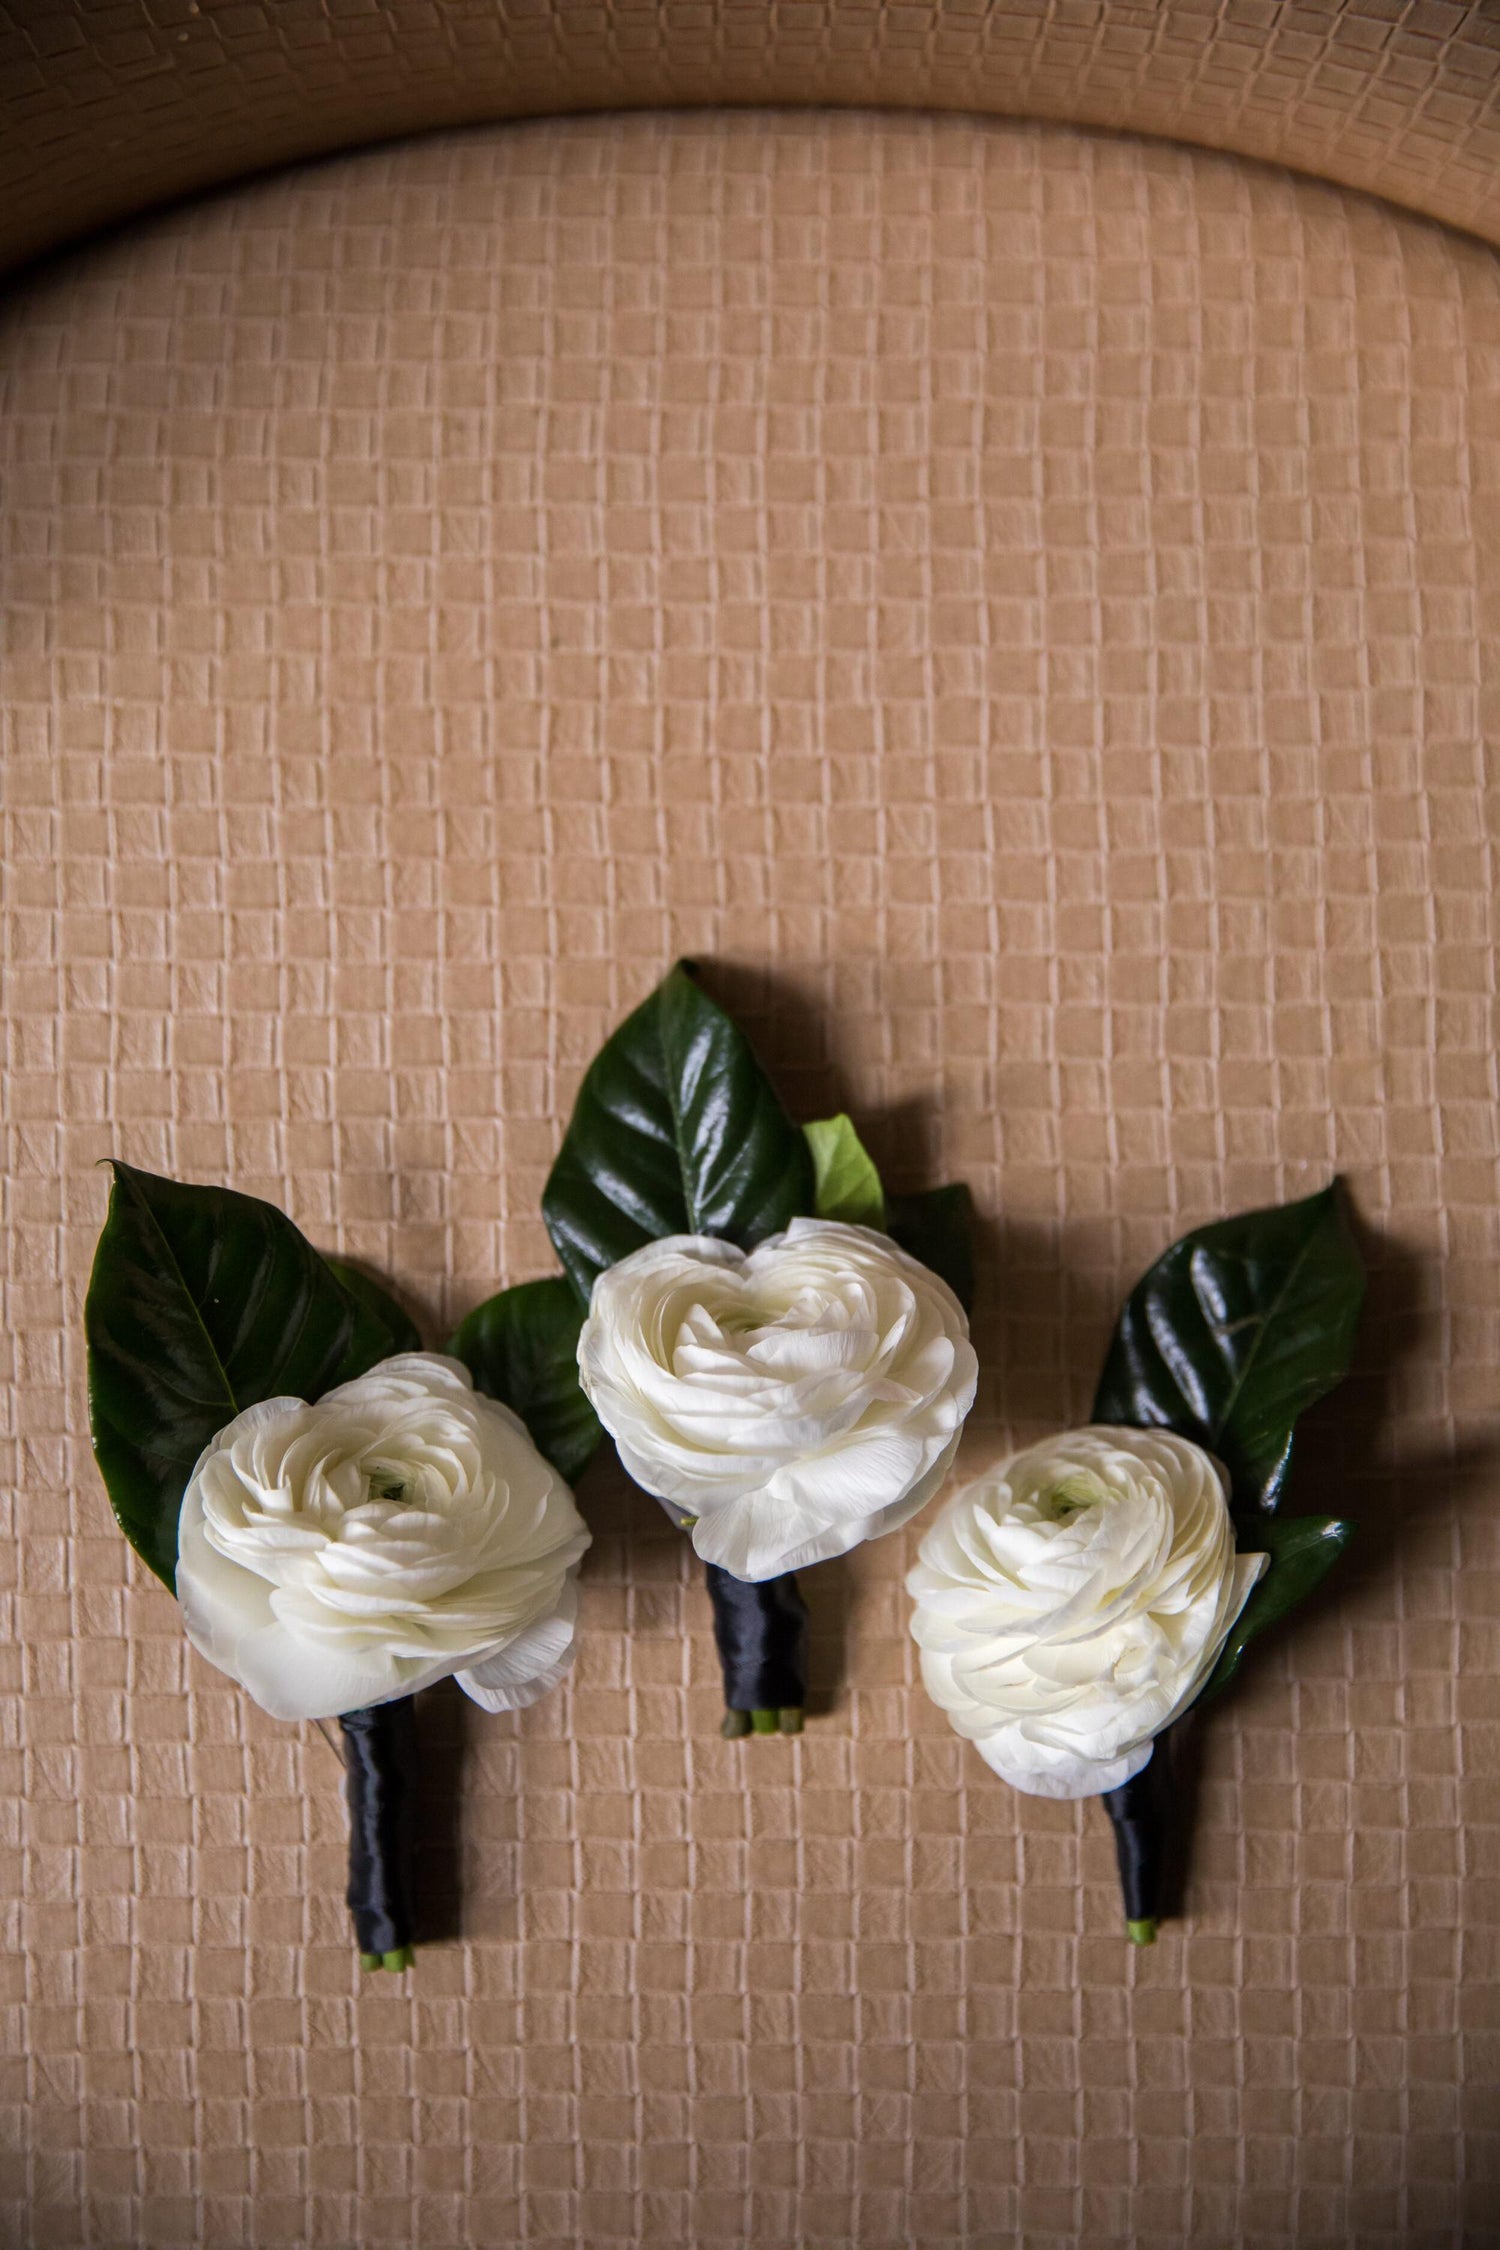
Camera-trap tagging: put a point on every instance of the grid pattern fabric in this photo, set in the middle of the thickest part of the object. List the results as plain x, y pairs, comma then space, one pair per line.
110, 106
1023, 611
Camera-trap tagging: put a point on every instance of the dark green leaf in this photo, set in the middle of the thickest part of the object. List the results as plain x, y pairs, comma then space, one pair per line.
1227, 1340
936, 1226
401, 1332
677, 1130
522, 1348
1302, 1549
846, 1185
1234, 1333
201, 1303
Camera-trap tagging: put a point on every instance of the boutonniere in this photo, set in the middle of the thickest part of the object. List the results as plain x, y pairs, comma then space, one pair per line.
779, 1350
1077, 1600
343, 1517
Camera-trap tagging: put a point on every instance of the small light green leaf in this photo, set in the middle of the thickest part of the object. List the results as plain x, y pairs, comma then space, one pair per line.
202, 1302
846, 1184
1303, 1549
521, 1347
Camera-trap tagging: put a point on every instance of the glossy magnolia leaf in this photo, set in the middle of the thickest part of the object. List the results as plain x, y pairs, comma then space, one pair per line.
1302, 1550
522, 1348
677, 1130
401, 1332
937, 1227
201, 1303
1234, 1333
846, 1184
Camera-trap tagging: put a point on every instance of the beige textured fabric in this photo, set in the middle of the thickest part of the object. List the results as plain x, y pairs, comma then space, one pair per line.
108, 106
1023, 610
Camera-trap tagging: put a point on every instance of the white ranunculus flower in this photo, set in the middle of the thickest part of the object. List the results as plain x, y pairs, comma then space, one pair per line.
404, 1527
1072, 1601
789, 1401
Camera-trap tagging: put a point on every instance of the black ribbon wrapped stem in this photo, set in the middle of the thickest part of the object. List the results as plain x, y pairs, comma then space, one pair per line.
761, 1634
380, 1753
1138, 1810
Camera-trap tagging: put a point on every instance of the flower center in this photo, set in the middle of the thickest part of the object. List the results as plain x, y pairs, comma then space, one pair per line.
386, 1483
1063, 1500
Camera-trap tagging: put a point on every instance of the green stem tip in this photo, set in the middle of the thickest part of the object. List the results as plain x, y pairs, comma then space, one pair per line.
402, 1958
737, 1724
1142, 1933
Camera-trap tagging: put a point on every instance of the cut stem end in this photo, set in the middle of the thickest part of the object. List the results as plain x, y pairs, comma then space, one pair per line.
1143, 1932
402, 1958
788, 1720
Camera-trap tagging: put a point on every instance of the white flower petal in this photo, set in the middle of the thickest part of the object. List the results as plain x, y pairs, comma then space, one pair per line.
401, 1529
296, 1679
530, 1666
796, 1399
221, 1603
1042, 1773
1071, 1602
